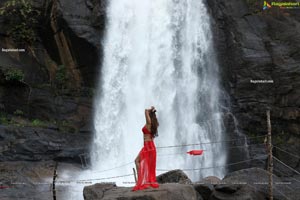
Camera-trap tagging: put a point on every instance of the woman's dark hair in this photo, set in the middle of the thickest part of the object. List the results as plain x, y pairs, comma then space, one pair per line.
154, 124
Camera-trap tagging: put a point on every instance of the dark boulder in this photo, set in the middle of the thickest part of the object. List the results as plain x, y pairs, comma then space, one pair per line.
174, 176
250, 184
243, 193
213, 180
205, 187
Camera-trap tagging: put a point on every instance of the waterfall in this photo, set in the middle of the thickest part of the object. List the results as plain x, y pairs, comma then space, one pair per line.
158, 52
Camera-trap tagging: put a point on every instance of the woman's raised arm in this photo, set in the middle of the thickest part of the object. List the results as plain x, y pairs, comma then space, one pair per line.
148, 119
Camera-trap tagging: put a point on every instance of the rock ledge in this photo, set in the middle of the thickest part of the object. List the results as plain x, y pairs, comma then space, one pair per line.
168, 191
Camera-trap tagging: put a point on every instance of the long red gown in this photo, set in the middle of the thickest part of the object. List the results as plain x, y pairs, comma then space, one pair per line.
147, 170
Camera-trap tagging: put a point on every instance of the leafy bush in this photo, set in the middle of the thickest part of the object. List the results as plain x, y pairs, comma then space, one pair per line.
22, 19
14, 74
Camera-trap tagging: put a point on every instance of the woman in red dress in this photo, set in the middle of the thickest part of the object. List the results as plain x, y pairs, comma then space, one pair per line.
146, 160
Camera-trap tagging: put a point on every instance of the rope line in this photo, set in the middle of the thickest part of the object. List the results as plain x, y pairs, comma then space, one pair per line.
241, 146
280, 171
275, 191
94, 179
287, 165
161, 170
261, 157
100, 171
183, 145
282, 194
286, 152
162, 155
276, 176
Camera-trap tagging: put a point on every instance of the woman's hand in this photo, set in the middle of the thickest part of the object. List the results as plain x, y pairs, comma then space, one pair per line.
152, 109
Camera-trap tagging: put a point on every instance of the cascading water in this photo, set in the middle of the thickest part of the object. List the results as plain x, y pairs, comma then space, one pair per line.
158, 52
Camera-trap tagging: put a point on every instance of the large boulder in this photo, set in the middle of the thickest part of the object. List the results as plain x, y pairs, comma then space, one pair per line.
232, 193
174, 176
169, 191
210, 180
205, 187
251, 184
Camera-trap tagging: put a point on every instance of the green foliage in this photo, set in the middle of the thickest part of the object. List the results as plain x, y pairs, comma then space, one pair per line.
61, 77
22, 19
38, 123
19, 112
14, 74
61, 73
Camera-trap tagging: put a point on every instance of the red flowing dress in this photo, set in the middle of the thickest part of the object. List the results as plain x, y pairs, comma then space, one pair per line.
147, 169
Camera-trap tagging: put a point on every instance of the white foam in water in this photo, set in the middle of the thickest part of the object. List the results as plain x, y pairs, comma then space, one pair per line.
157, 52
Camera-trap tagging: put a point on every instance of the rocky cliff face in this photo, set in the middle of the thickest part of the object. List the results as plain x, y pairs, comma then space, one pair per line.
260, 45
59, 69
38, 144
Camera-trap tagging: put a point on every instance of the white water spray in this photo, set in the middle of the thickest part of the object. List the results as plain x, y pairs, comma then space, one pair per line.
158, 52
